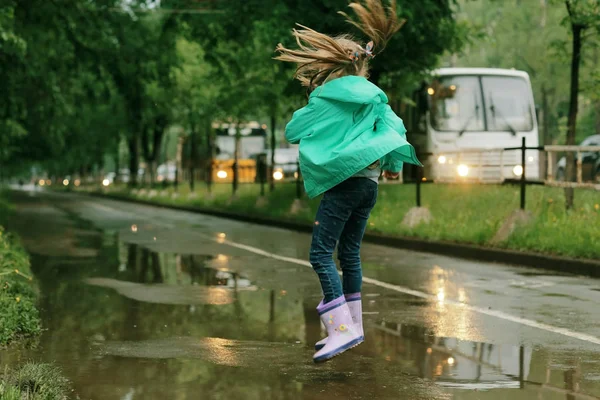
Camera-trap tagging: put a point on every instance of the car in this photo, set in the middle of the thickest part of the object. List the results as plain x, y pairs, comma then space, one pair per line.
590, 167
166, 173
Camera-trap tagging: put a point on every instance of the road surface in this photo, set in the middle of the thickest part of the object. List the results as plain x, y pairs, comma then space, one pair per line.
147, 303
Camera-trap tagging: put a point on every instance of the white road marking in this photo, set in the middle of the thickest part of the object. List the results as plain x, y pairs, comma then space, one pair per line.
401, 289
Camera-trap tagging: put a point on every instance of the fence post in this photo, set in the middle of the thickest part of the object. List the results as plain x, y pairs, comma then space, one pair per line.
419, 180
298, 182
523, 147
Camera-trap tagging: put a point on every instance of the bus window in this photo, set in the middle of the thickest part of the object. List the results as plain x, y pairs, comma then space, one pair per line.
508, 103
456, 104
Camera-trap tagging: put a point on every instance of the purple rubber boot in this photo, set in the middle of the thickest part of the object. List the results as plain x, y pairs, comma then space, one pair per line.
341, 333
355, 306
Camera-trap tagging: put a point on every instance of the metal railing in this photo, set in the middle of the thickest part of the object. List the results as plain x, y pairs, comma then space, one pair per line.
480, 159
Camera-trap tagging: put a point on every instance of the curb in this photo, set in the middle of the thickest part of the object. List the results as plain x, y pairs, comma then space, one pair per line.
574, 266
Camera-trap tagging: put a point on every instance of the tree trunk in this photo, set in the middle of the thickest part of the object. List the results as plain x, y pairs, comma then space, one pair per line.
193, 157
597, 108
236, 158
545, 132
273, 145
210, 153
134, 155
572, 125
159, 131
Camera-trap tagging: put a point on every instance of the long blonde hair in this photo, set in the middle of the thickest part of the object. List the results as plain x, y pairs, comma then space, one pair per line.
321, 57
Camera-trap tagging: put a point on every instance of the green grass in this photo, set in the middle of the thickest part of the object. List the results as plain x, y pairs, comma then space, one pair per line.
19, 318
34, 382
461, 213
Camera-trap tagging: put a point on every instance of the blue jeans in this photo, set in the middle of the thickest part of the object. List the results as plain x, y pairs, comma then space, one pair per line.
342, 218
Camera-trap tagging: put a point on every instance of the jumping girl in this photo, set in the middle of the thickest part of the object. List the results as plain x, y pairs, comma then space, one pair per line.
348, 135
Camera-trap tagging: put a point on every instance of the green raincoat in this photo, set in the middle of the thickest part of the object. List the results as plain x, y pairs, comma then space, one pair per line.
346, 126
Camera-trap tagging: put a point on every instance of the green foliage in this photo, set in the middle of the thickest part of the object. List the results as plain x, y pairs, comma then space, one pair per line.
34, 382
81, 77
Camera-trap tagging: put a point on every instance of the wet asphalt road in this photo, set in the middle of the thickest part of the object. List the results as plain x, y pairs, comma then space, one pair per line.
146, 303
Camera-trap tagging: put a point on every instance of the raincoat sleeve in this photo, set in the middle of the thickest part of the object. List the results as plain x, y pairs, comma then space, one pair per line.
299, 127
390, 162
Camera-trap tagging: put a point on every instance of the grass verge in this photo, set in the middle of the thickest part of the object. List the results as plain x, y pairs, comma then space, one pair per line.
19, 318
34, 382
461, 213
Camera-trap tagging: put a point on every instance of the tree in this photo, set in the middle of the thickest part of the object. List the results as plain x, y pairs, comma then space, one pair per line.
194, 101
583, 14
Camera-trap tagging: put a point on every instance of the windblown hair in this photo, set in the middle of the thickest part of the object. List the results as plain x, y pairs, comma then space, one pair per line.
321, 57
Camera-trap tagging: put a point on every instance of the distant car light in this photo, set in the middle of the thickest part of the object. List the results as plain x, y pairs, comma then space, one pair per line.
42, 182
441, 160
518, 170
48, 182
105, 182
530, 159
222, 174
66, 182
278, 175
431, 91
77, 182
462, 170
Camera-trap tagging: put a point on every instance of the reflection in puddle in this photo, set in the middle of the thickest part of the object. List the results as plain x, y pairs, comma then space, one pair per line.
175, 279
472, 366
169, 294
234, 353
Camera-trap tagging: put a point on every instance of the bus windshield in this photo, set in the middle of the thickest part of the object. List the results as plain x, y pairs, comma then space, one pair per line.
457, 104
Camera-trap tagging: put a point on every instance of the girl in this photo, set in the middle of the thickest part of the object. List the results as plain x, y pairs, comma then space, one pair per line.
348, 135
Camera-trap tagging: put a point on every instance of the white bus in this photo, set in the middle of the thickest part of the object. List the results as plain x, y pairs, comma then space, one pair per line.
465, 117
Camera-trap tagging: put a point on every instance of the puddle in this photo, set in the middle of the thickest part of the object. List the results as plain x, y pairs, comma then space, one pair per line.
127, 322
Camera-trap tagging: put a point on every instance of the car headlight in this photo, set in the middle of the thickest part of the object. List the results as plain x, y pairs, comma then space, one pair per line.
462, 170
441, 160
222, 174
278, 175
518, 170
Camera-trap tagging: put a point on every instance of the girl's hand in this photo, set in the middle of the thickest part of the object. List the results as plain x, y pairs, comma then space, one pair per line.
391, 175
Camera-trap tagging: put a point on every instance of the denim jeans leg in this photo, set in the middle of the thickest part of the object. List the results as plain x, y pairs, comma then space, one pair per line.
330, 220
350, 242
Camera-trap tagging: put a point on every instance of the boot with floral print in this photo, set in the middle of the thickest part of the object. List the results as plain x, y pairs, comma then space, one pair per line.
355, 307
341, 332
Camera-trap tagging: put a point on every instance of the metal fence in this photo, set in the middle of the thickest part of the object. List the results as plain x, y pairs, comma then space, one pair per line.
509, 166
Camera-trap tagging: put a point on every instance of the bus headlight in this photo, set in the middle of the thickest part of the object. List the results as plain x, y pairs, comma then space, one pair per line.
222, 174
278, 175
441, 160
518, 170
462, 170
